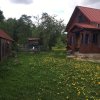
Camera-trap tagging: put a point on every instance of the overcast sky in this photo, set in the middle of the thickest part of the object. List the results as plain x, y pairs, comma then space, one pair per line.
62, 8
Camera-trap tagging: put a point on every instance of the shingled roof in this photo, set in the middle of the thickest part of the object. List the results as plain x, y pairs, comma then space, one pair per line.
5, 35
91, 13
86, 26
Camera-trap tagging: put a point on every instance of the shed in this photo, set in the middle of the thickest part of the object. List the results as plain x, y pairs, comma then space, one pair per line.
34, 43
5, 44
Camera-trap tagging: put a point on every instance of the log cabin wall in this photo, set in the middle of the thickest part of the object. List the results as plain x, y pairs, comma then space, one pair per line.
86, 22
90, 46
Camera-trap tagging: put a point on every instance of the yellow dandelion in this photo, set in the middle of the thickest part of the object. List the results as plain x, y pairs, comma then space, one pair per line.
78, 93
98, 83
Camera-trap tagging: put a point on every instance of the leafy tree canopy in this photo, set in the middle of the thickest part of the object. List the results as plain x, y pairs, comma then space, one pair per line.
46, 27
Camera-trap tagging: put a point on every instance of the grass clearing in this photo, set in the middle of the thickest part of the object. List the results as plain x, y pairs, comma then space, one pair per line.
49, 76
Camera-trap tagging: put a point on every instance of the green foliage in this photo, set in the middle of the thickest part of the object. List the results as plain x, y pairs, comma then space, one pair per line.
24, 29
47, 28
48, 76
63, 37
1, 16
51, 30
2, 20
60, 43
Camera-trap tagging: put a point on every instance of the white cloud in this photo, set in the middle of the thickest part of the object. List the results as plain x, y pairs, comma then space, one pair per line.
62, 8
91, 1
22, 1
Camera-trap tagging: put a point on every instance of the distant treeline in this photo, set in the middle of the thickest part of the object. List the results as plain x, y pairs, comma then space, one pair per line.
47, 28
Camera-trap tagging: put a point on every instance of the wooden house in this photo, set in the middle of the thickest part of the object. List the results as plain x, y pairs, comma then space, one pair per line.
33, 43
83, 30
5, 44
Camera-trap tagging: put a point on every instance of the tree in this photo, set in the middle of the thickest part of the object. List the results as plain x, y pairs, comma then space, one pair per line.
46, 27
2, 24
50, 30
26, 19
24, 28
36, 30
1, 16
11, 26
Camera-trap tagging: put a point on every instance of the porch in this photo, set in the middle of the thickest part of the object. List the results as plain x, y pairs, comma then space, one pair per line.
84, 41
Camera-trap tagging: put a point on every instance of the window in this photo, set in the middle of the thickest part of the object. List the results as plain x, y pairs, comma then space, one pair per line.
81, 19
71, 41
95, 38
86, 38
82, 39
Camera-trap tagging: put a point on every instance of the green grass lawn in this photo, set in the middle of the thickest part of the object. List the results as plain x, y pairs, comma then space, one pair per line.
49, 76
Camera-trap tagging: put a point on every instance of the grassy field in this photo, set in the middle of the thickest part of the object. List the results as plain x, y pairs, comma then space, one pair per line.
49, 76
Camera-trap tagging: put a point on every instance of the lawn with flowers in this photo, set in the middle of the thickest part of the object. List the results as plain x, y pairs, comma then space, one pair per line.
49, 76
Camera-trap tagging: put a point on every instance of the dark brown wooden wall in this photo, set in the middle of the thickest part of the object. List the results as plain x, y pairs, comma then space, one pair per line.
5, 48
90, 47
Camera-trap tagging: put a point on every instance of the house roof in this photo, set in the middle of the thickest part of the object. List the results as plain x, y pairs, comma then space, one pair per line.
5, 35
86, 26
91, 13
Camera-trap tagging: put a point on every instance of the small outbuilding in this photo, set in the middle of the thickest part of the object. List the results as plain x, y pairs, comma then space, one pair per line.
33, 44
5, 45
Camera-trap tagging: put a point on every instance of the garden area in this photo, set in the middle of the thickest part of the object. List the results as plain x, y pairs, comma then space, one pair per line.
48, 76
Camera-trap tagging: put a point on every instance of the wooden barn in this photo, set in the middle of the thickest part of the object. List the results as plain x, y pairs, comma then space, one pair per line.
83, 30
33, 43
5, 44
